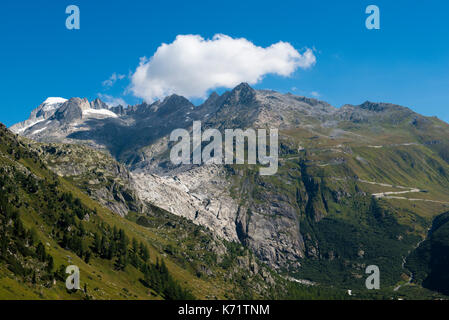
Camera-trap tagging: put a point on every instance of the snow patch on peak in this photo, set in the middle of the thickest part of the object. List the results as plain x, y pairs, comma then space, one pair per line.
52, 103
99, 112
23, 126
54, 100
39, 130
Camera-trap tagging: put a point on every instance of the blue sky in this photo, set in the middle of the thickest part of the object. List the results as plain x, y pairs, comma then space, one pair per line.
405, 62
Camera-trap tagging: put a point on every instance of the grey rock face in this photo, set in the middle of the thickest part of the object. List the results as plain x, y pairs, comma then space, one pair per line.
72, 110
201, 195
95, 172
97, 104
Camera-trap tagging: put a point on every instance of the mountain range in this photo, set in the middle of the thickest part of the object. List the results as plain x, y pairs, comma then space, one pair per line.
357, 185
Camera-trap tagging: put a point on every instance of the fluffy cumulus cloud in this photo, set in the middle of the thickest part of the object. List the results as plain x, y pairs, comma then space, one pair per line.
191, 65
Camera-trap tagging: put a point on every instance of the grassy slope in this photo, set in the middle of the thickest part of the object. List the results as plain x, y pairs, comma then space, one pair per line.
187, 249
336, 162
103, 282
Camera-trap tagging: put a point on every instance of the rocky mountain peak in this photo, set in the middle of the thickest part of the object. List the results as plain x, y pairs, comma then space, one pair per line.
243, 94
44, 111
380, 107
372, 106
98, 104
211, 104
244, 86
47, 108
173, 104
213, 98
175, 99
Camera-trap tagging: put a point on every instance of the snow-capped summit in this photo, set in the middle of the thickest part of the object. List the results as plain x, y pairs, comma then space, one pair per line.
44, 111
54, 100
47, 108
52, 103
56, 113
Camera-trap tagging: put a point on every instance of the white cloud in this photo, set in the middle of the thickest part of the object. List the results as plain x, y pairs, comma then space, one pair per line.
112, 101
192, 65
315, 94
113, 79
